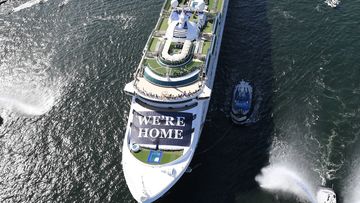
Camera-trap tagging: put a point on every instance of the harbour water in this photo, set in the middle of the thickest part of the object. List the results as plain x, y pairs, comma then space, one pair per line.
64, 64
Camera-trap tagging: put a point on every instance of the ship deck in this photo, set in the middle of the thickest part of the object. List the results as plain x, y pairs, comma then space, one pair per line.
167, 156
190, 76
161, 135
166, 93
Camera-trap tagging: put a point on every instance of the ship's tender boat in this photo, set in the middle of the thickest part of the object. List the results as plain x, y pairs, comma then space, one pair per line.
325, 195
241, 103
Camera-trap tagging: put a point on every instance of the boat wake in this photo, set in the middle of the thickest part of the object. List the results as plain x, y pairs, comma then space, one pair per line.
28, 86
278, 178
28, 4
30, 89
30, 81
21, 106
27, 98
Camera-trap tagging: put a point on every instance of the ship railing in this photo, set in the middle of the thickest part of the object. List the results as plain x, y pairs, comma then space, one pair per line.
173, 97
169, 96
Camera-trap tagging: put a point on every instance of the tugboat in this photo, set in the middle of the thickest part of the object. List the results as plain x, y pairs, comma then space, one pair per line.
325, 195
241, 102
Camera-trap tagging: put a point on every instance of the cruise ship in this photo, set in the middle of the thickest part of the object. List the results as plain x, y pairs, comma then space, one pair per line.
170, 95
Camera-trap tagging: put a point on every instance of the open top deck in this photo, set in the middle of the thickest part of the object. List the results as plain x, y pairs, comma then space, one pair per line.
176, 55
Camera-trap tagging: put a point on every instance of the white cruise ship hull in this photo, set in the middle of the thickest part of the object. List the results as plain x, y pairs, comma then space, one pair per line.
147, 182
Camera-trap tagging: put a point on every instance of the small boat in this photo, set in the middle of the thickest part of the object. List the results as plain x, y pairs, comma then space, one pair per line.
332, 3
241, 102
325, 195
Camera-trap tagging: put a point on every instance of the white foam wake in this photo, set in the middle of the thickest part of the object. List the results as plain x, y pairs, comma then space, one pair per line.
28, 5
282, 180
29, 90
23, 107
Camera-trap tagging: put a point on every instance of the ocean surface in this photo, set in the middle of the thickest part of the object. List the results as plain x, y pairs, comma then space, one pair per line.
64, 64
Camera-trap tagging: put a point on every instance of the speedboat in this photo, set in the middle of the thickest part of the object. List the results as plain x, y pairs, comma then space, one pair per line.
241, 102
325, 195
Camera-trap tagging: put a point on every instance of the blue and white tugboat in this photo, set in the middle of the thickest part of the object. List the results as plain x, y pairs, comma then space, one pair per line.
241, 102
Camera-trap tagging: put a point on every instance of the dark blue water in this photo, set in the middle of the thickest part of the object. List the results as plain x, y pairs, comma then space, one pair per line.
63, 70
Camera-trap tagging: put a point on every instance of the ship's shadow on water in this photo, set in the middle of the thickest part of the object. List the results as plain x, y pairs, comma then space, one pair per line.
229, 157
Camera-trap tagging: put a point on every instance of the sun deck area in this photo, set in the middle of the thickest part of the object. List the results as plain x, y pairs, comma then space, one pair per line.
175, 56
